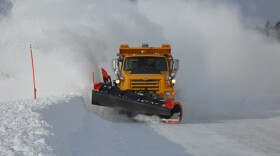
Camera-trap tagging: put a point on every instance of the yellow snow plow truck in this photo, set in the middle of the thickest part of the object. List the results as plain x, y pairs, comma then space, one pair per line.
145, 79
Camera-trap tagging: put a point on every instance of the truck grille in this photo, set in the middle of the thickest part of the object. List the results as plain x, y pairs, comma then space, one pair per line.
145, 84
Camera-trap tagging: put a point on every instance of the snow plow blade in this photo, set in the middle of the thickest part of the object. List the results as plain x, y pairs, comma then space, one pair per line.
108, 94
132, 105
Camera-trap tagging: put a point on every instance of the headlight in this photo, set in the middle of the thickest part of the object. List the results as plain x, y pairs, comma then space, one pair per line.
167, 93
118, 81
173, 81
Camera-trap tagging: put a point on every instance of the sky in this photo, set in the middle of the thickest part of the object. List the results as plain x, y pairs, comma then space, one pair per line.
265, 9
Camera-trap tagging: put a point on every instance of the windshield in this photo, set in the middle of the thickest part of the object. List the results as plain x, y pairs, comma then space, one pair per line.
145, 64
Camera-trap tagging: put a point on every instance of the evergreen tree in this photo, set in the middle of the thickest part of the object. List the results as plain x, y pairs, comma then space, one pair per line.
268, 28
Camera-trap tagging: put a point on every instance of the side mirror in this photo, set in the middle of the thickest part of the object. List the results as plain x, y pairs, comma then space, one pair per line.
115, 65
174, 67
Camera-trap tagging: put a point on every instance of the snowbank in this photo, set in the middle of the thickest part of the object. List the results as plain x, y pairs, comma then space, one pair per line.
63, 126
22, 130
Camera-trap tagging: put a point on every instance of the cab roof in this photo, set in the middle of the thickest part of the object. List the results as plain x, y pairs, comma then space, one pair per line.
164, 50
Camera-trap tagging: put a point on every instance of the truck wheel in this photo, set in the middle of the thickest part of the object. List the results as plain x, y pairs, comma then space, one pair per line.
176, 114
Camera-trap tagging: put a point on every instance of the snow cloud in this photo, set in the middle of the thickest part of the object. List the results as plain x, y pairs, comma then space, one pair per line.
222, 60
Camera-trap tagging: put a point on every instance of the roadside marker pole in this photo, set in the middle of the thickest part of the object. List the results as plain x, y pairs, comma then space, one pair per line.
33, 75
92, 80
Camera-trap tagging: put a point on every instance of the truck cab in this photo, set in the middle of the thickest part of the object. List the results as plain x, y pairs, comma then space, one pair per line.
146, 69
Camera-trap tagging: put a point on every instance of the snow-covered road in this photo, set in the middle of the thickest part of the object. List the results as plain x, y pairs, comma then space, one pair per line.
63, 126
253, 137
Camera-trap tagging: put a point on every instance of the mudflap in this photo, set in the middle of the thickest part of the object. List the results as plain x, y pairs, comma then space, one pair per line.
132, 105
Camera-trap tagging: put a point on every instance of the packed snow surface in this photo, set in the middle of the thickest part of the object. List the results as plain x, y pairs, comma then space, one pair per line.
22, 130
62, 125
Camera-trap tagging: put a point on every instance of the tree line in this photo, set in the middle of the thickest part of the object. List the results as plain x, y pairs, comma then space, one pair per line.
271, 30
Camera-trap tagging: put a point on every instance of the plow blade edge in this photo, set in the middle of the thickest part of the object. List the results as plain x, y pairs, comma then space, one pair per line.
107, 100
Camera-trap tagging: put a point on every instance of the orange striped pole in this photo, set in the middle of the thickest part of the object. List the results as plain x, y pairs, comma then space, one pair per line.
33, 75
